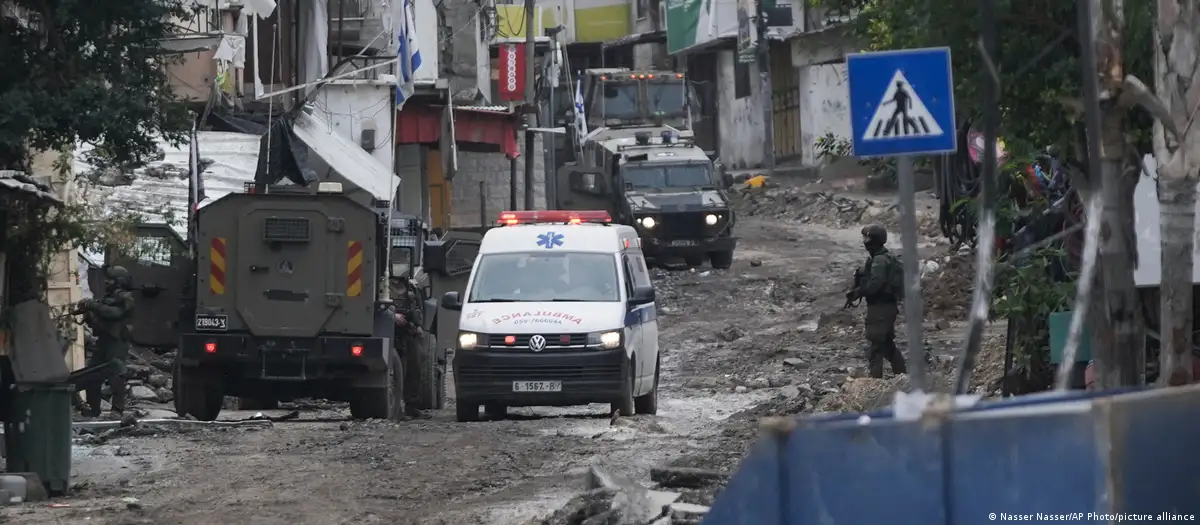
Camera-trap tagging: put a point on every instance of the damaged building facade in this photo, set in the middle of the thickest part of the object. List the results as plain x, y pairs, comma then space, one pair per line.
334, 64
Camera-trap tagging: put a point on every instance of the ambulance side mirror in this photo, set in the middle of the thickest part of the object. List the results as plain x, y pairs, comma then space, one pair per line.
452, 301
642, 295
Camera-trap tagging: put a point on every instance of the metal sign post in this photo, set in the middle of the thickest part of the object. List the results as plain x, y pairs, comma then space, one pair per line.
902, 105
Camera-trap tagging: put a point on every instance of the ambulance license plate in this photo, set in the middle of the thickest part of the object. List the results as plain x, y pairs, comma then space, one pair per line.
537, 386
683, 242
212, 323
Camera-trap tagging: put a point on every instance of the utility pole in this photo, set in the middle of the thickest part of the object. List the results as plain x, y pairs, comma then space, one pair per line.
768, 105
530, 101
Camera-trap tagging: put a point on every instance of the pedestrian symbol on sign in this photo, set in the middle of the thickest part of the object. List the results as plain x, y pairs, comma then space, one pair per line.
901, 114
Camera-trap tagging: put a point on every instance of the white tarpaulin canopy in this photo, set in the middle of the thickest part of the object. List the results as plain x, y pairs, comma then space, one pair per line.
346, 158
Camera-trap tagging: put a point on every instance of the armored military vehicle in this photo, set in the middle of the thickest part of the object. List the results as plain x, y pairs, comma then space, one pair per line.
622, 98
657, 180
291, 300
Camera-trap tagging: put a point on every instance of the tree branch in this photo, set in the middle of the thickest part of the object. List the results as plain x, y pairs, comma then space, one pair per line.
1135, 93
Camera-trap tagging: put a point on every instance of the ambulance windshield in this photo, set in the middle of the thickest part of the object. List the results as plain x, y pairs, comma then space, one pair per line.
548, 277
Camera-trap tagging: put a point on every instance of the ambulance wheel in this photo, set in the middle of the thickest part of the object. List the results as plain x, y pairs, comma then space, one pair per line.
721, 260
386, 402
648, 403
624, 404
197, 392
466, 412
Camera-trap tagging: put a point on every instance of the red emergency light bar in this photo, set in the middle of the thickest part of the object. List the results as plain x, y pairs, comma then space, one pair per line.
554, 216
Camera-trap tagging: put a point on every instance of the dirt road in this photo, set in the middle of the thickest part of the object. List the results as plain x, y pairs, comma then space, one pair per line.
765, 337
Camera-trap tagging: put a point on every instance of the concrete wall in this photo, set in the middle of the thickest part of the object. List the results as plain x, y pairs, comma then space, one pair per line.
462, 54
824, 106
741, 119
494, 171
409, 167
354, 105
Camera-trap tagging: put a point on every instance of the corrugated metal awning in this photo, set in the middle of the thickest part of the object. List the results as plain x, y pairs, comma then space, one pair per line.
18, 181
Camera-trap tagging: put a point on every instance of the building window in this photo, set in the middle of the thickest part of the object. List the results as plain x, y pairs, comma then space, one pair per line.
741, 79
641, 9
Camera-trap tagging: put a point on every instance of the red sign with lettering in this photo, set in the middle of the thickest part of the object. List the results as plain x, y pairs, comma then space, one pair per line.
512, 72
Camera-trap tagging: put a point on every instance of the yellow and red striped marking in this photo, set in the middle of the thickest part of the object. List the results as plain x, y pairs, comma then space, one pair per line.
354, 263
216, 267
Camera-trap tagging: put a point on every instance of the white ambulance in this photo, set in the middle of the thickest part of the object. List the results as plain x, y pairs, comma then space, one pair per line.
559, 310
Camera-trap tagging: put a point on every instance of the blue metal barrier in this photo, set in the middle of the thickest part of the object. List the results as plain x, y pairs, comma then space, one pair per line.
1131, 452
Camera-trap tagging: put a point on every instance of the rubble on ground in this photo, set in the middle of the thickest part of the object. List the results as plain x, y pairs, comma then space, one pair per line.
830, 209
947, 290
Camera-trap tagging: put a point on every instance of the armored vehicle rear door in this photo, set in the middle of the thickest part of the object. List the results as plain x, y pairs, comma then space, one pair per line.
158, 262
580, 188
284, 271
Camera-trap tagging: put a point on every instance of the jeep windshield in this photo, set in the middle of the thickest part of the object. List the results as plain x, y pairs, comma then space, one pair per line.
667, 175
667, 98
545, 277
619, 100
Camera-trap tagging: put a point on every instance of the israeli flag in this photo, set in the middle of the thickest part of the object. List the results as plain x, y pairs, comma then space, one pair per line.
580, 118
409, 53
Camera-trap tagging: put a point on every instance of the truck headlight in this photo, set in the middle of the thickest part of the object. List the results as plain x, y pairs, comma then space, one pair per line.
467, 340
648, 222
607, 340
711, 219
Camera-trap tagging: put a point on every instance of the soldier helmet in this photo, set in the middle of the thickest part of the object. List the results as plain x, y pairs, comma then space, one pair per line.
874, 234
119, 276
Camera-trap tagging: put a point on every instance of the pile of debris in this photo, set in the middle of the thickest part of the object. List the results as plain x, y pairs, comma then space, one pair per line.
612, 499
947, 290
840, 211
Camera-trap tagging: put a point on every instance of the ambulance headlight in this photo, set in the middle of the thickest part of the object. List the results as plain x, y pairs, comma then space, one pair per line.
467, 340
648, 222
711, 219
607, 340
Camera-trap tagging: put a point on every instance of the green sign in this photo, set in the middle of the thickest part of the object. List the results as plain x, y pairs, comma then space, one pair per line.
687, 19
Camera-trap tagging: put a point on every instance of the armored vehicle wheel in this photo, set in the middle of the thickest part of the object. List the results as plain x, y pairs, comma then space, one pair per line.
385, 402
624, 405
721, 260
255, 403
648, 403
197, 392
496, 411
465, 412
421, 369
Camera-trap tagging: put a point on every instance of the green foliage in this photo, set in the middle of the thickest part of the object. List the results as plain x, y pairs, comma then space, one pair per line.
1031, 109
1027, 294
76, 71
830, 147
86, 70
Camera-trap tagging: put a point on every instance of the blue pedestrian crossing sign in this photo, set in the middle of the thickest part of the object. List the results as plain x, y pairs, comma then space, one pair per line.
901, 102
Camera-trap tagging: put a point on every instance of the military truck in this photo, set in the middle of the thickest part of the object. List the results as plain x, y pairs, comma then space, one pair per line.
657, 180
622, 98
292, 299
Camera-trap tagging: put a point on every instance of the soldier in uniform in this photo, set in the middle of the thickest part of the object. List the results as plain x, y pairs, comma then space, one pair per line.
109, 317
876, 283
410, 315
